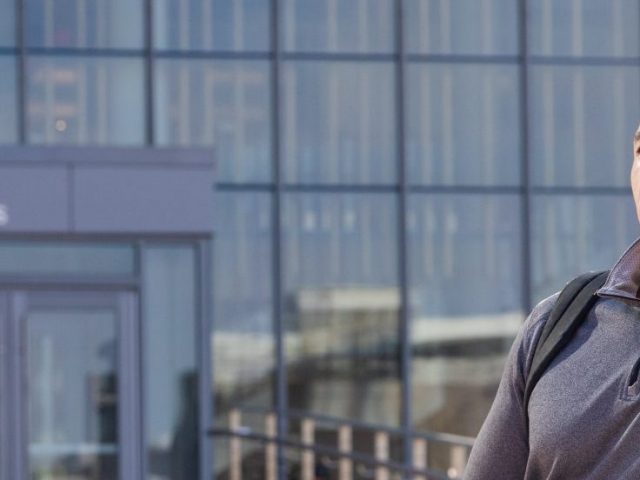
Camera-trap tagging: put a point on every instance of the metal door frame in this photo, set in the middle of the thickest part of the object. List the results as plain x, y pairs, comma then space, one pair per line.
18, 302
203, 248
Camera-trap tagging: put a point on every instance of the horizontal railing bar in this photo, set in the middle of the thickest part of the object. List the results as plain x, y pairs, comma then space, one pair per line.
448, 438
329, 451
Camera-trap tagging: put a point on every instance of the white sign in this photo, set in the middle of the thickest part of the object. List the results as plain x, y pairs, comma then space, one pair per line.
4, 215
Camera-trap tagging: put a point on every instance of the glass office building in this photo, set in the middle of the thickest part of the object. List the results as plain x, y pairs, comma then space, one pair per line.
398, 183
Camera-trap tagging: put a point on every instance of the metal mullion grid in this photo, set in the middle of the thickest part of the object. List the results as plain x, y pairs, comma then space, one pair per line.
21, 66
149, 72
281, 397
404, 315
525, 179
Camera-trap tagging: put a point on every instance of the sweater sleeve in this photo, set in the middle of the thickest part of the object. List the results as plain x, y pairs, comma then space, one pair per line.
501, 449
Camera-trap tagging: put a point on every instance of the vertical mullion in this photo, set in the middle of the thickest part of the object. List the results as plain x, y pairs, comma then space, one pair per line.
281, 399
404, 327
21, 71
5, 388
524, 174
149, 69
139, 262
203, 334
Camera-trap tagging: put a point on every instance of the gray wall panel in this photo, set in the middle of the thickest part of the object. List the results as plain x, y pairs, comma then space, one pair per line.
33, 199
143, 199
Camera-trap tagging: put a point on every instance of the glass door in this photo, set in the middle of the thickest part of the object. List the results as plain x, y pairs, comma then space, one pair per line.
80, 387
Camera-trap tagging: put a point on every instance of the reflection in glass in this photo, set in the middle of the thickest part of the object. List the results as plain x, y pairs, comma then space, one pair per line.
7, 24
81, 100
8, 95
465, 301
582, 124
84, 24
364, 26
341, 302
574, 234
462, 126
171, 398
72, 395
243, 302
462, 26
211, 24
51, 258
339, 122
584, 27
220, 103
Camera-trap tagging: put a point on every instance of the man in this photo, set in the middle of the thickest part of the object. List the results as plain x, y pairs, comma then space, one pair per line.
582, 420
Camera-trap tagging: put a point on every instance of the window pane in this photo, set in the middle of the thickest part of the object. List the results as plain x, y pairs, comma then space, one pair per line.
223, 103
575, 234
79, 100
342, 301
462, 26
582, 124
73, 397
463, 124
83, 24
48, 258
212, 24
8, 107
243, 302
338, 26
466, 305
7, 23
339, 122
584, 27
171, 397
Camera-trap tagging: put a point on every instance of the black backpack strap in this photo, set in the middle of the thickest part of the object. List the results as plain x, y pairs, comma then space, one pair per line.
573, 303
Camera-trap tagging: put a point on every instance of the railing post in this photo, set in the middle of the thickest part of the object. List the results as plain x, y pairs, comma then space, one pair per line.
345, 445
419, 457
308, 433
457, 460
382, 454
270, 449
235, 446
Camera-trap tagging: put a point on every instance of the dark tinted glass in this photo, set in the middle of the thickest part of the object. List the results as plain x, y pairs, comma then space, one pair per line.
7, 23
51, 258
225, 104
243, 302
84, 24
211, 24
8, 95
85, 100
575, 234
171, 388
462, 26
338, 122
466, 304
582, 120
584, 27
338, 26
341, 301
463, 124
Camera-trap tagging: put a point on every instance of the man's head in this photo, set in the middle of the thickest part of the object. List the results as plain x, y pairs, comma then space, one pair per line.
635, 171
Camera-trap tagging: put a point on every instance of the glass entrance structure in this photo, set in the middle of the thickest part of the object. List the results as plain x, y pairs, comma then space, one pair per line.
103, 351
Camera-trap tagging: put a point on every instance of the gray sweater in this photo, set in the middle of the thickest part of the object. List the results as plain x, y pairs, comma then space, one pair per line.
584, 413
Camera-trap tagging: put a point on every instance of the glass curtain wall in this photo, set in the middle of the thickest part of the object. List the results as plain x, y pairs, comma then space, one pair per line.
435, 165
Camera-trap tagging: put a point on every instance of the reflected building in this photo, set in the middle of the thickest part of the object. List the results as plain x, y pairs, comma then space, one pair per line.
398, 183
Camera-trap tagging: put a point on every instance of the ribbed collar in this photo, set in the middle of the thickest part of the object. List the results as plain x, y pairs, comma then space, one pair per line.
623, 281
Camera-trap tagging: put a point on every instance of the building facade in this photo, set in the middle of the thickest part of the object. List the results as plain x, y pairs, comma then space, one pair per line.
398, 182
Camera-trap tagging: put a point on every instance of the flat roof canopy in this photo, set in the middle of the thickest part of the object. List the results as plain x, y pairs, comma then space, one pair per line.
53, 189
